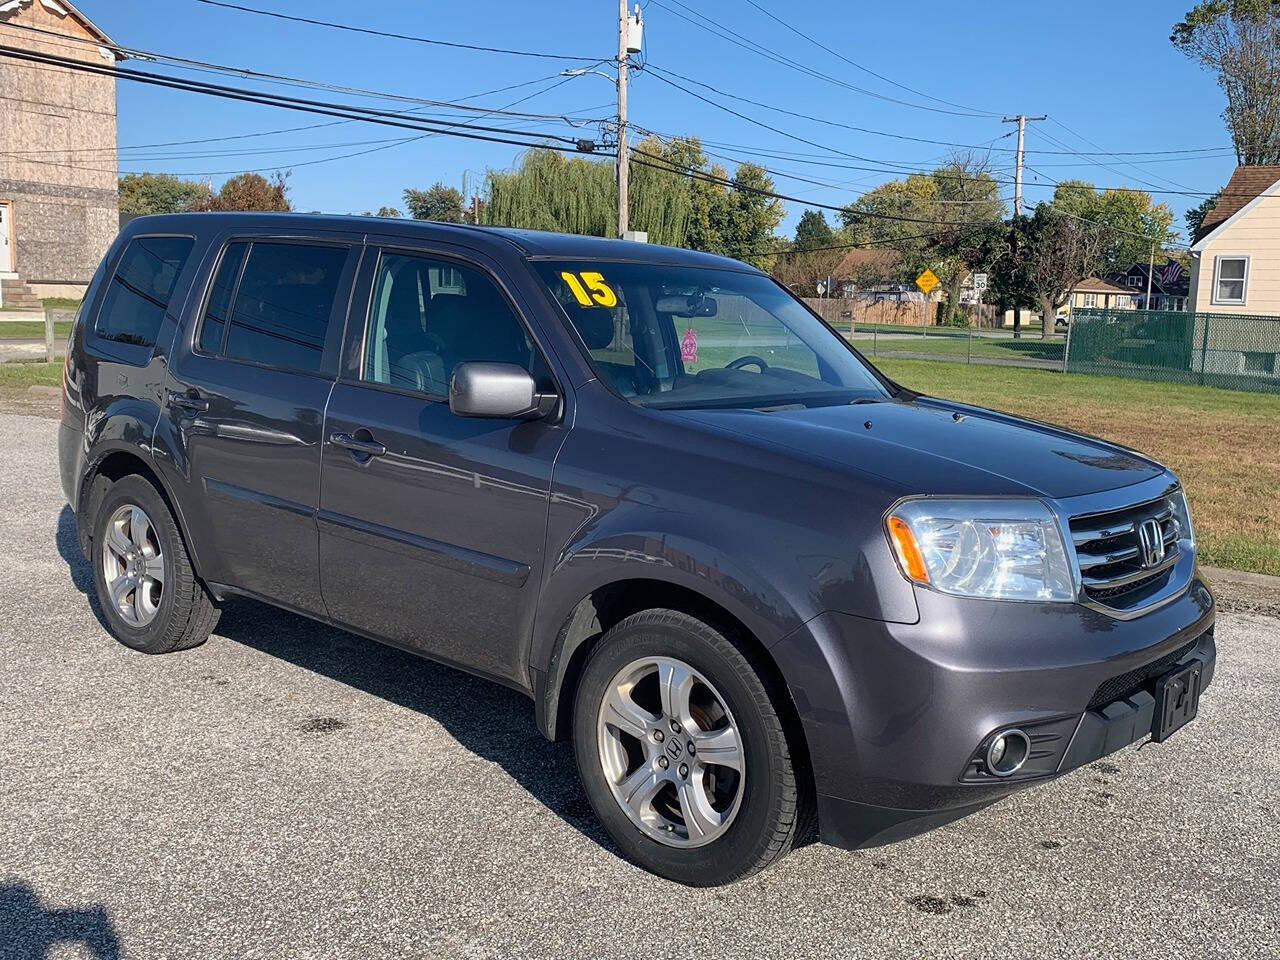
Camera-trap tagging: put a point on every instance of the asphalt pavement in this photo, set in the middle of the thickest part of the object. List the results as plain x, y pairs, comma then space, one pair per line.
289, 790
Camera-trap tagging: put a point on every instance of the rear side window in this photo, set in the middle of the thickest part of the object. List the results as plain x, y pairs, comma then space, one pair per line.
271, 303
219, 308
138, 296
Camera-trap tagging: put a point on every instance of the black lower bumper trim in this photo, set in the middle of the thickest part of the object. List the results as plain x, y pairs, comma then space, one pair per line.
850, 825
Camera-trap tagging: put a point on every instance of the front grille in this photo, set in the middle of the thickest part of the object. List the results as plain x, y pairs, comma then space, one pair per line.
1114, 568
1127, 683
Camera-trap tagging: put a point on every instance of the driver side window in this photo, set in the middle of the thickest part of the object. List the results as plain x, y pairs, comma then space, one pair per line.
429, 315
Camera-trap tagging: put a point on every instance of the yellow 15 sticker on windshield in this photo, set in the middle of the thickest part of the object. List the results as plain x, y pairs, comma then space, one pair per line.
601, 294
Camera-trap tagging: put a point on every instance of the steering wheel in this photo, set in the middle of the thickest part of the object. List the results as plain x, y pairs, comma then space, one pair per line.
747, 361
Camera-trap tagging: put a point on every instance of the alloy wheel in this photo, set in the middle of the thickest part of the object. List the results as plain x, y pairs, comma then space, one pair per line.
133, 565
671, 752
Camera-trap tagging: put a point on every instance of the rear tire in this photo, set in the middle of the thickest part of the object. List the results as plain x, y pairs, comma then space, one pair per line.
703, 817
149, 593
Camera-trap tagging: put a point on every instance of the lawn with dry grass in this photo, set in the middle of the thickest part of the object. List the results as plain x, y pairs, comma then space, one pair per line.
1223, 444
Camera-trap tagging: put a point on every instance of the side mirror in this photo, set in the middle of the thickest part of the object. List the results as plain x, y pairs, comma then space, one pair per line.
501, 391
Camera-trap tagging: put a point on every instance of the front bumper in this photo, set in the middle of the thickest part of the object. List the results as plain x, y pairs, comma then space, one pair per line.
893, 713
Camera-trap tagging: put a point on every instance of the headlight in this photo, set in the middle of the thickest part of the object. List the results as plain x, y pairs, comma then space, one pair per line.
1182, 517
993, 549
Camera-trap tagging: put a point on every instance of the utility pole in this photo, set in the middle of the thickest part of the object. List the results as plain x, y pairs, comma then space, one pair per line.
624, 29
1021, 120
1151, 268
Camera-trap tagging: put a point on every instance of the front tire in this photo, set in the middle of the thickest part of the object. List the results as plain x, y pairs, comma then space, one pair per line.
148, 591
682, 751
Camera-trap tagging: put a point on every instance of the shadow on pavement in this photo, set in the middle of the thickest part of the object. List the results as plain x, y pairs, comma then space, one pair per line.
77, 564
31, 931
486, 718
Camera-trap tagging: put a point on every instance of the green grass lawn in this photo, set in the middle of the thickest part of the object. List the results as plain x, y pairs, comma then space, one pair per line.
62, 303
957, 344
23, 375
933, 329
1223, 444
32, 329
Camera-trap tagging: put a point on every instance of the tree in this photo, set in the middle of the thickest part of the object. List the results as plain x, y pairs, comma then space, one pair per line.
1195, 216
809, 260
390, 212
748, 216
1059, 252
1239, 41
1133, 221
942, 220
813, 231
251, 191
438, 202
802, 270
676, 197
145, 193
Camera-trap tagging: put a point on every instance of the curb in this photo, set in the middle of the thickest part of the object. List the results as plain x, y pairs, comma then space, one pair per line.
1239, 576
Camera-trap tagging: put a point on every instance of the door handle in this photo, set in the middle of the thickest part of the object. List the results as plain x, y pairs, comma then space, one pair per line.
188, 401
369, 448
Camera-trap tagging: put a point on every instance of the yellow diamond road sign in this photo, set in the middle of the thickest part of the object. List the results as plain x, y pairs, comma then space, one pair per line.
927, 281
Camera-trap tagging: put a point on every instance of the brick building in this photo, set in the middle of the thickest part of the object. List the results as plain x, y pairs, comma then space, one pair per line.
58, 190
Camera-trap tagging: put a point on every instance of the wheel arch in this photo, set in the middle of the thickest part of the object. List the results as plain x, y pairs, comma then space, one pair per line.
113, 464
612, 603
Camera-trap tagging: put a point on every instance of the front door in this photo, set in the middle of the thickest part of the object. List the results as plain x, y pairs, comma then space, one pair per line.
6, 249
246, 401
432, 526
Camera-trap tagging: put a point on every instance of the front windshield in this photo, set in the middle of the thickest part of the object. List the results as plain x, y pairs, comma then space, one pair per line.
685, 337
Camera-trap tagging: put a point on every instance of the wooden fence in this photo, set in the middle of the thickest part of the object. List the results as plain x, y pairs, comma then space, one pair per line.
841, 314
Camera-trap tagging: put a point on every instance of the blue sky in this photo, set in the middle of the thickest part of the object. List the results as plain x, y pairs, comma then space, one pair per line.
1105, 72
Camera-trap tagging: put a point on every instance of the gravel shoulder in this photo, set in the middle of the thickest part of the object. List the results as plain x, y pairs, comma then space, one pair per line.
292, 790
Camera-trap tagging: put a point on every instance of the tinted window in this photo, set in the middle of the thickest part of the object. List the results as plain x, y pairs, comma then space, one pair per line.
428, 316
282, 307
140, 290
224, 288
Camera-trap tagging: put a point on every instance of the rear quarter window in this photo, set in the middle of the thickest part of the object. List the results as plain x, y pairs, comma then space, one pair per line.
140, 289
282, 304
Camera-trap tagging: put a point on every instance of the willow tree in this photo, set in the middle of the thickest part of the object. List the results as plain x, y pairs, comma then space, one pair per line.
676, 197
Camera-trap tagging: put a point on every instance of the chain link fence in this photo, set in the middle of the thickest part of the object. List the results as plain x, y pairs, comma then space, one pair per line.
1217, 349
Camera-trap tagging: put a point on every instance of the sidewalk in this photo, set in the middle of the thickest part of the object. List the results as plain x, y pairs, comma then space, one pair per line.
28, 349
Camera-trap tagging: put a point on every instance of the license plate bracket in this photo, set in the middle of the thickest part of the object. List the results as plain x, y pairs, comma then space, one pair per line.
1177, 699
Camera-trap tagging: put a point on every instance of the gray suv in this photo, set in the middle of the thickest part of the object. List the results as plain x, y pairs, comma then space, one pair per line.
762, 588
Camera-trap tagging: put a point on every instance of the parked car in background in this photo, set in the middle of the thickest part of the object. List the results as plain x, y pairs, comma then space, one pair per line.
755, 581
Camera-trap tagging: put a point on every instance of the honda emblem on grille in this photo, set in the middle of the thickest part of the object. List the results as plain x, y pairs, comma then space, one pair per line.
1151, 542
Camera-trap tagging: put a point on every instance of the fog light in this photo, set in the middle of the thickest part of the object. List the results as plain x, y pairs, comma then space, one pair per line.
996, 753
1007, 752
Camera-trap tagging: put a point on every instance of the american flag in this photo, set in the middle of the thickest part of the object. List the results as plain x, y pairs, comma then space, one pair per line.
1171, 273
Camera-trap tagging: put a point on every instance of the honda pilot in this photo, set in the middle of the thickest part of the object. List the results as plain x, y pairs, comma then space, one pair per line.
758, 584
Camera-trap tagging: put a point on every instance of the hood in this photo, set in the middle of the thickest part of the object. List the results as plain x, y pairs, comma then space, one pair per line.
933, 447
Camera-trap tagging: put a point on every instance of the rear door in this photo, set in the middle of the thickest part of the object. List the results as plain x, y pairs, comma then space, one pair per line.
432, 526
246, 401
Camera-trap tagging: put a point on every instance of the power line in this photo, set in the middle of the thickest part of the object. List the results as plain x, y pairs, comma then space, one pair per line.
725, 33
347, 112
867, 70
1127, 163
828, 122
351, 28
246, 72
789, 175
672, 166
